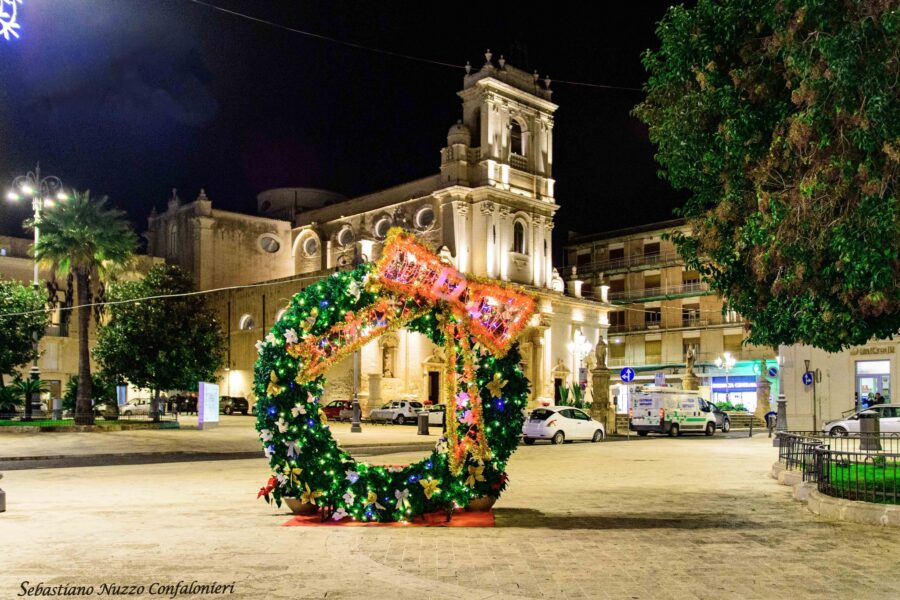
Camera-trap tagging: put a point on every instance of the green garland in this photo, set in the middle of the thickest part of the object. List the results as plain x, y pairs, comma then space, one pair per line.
309, 464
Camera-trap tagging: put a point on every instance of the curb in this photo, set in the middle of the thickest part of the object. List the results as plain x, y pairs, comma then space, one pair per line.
866, 513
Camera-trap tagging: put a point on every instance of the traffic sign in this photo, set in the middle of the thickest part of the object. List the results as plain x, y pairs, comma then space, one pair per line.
660, 380
773, 371
808, 378
627, 374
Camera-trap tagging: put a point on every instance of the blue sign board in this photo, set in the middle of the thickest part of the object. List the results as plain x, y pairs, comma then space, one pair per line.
627, 374
773, 371
807, 378
734, 383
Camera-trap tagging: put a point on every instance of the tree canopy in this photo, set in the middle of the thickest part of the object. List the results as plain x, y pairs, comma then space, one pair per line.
18, 331
782, 118
159, 343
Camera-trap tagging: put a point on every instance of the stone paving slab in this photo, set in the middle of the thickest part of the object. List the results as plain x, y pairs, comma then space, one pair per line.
683, 518
235, 434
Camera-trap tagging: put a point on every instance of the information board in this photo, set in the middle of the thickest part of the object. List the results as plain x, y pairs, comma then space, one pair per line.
207, 405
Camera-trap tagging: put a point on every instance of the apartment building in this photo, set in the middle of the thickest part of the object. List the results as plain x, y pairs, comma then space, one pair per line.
661, 309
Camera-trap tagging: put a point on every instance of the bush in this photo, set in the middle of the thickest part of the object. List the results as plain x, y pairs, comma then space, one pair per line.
10, 400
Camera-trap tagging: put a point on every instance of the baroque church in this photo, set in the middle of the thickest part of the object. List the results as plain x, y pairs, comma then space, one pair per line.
489, 211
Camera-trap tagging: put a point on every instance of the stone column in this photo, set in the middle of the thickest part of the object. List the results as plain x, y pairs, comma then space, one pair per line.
374, 399
763, 389
600, 408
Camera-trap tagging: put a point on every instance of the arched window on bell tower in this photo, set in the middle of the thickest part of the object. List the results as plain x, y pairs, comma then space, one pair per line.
519, 237
515, 138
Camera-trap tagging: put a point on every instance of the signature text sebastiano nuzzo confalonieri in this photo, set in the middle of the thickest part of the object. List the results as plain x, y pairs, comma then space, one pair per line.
161, 589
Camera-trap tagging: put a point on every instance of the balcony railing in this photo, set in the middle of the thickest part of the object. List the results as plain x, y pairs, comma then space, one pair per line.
669, 291
615, 264
519, 162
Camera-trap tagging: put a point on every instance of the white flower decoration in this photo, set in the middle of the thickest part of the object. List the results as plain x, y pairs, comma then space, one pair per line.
352, 476
270, 338
259, 346
298, 409
339, 514
290, 337
282, 425
265, 435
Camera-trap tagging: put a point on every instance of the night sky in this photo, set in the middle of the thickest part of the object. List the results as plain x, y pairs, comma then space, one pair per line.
131, 98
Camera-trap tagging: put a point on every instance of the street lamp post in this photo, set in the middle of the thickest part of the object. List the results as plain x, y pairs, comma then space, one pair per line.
579, 348
43, 191
355, 426
726, 363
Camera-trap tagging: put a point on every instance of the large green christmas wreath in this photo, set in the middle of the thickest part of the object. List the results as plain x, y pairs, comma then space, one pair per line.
486, 389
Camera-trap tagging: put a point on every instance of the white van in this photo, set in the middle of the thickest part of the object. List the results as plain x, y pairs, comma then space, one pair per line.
667, 410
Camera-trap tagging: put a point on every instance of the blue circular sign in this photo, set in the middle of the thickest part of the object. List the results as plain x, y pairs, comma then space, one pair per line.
807, 378
773, 371
627, 374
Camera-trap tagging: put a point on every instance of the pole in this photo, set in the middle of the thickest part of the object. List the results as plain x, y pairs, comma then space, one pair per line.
36, 205
355, 426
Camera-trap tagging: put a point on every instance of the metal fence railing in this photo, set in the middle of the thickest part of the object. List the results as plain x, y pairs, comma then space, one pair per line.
63, 418
855, 466
869, 477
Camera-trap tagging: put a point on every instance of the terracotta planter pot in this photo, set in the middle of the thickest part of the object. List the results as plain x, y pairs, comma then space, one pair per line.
300, 508
481, 504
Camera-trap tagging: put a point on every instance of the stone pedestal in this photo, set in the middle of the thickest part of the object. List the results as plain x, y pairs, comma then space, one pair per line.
763, 389
690, 381
600, 409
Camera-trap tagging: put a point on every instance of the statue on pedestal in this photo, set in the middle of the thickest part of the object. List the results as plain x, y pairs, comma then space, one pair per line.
600, 352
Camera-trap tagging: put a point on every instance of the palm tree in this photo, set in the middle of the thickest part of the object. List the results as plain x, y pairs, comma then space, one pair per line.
83, 236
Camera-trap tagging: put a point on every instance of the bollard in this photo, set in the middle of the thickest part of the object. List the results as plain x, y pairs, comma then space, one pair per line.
751, 426
2, 498
57, 409
423, 423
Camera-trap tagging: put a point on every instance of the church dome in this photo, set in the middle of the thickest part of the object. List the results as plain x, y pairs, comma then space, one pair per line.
459, 134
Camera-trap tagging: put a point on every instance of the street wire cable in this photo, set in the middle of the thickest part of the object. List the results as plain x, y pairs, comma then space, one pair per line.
381, 50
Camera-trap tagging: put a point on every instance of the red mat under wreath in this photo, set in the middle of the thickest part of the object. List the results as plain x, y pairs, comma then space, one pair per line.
461, 518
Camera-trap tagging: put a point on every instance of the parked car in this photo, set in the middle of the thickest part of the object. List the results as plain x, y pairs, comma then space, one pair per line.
723, 421
334, 409
186, 404
232, 404
397, 411
561, 424
436, 414
888, 415
138, 406
671, 411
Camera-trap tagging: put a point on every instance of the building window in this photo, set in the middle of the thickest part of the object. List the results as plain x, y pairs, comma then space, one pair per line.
246, 323
690, 315
382, 227
652, 317
345, 237
515, 139
519, 237
310, 246
269, 243
651, 249
172, 243
424, 218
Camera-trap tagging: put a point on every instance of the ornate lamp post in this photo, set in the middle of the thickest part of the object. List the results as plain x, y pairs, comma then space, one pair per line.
43, 191
727, 363
579, 348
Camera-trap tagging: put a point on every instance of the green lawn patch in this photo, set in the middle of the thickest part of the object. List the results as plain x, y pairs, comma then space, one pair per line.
875, 481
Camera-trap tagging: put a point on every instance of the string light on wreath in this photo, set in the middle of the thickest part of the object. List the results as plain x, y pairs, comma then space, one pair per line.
476, 322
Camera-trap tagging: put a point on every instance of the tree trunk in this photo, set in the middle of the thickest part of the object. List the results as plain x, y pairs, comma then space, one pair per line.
154, 406
84, 411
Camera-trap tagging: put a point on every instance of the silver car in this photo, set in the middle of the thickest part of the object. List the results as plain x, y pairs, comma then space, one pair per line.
888, 416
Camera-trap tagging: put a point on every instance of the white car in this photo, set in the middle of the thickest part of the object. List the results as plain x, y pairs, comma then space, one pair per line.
138, 406
398, 411
436, 414
888, 415
561, 424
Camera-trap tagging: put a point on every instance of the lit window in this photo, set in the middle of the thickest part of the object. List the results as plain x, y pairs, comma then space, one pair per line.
345, 237
310, 246
519, 237
172, 245
424, 218
382, 227
246, 323
269, 243
515, 138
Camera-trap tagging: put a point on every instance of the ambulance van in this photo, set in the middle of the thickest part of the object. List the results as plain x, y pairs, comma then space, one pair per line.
671, 411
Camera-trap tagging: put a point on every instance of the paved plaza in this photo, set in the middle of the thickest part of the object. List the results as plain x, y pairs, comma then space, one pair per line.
660, 518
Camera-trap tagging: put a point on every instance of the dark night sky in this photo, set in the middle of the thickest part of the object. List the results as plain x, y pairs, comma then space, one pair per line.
131, 98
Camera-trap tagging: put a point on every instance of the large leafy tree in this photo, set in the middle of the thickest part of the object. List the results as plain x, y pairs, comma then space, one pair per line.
782, 118
22, 322
169, 340
82, 235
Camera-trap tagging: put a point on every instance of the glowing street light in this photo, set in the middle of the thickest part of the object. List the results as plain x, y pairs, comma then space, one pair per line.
42, 191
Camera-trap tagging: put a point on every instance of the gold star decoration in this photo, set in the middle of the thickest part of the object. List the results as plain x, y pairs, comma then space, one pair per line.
274, 389
496, 385
430, 486
309, 495
475, 474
